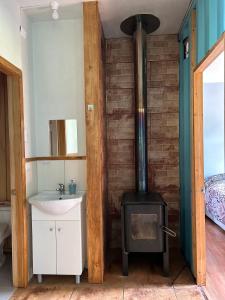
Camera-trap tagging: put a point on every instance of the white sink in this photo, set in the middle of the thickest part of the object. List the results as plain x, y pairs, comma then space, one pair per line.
53, 203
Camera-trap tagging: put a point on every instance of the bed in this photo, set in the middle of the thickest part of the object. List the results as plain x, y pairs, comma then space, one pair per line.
215, 199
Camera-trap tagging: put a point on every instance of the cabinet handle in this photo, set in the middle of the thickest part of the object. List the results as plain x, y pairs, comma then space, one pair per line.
59, 229
50, 229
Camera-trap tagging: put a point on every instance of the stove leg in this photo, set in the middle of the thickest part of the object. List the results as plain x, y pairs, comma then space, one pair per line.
166, 253
125, 264
166, 263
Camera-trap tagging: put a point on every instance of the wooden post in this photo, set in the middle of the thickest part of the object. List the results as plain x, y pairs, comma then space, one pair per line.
18, 182
94, 102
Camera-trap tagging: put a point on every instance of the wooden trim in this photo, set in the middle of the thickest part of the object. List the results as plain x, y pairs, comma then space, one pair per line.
198, 202
9, 69
198, 196
17, 173
94, 94
29, 159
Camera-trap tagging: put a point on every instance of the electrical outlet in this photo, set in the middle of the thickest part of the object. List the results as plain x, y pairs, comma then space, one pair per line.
91, 107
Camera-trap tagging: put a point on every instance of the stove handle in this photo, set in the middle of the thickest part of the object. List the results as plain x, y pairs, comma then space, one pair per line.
168, 231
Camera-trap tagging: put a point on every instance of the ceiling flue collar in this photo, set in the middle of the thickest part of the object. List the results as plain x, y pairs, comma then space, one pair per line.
54, 5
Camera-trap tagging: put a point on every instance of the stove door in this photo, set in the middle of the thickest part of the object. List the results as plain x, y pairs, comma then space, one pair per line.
143, 228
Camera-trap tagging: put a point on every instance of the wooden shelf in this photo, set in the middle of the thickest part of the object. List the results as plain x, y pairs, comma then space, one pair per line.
28, 159
5, 204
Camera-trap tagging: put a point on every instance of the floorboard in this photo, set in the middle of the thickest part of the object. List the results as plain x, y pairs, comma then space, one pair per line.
145, 281
215, 261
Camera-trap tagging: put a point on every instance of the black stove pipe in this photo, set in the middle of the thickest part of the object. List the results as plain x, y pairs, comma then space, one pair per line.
139, 26
141, 144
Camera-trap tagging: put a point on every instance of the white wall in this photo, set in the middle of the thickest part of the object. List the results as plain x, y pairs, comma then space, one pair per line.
10, 47
58, 80
213, 104
31, 189
213, 128
51, 173
27, 66
52, 61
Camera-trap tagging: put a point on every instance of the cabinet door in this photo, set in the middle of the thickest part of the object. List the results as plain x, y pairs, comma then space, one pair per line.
44, 247
69, 259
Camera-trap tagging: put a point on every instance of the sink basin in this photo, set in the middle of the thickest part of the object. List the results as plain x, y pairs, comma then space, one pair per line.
53, 203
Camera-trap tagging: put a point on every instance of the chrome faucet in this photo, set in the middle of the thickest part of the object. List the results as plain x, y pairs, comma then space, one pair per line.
61, 189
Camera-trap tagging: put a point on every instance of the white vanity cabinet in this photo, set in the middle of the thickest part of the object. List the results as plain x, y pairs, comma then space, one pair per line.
59, 242
44, 247
69, 247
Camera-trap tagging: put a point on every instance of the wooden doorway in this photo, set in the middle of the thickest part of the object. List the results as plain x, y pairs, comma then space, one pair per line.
198, 201
14, 94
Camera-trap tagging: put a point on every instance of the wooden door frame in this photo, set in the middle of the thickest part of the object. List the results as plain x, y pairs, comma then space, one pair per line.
17, 173
198, 201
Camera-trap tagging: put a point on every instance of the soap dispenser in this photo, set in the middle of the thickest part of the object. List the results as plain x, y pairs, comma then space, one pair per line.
72, 187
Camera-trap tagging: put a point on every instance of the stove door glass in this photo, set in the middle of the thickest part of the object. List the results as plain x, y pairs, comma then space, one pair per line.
144, 226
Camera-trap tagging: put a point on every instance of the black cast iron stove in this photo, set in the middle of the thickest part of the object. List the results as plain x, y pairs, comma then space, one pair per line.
144, 214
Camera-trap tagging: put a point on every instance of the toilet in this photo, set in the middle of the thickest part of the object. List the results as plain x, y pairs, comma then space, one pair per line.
5, 230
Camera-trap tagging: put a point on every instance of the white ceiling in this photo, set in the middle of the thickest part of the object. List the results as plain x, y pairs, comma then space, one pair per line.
113, 12
170, 13
43, 13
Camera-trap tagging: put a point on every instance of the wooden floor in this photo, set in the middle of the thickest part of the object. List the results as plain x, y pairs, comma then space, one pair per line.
144, 282
215, 261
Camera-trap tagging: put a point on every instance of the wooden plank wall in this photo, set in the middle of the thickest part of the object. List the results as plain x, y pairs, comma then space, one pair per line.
95, 128
4, 145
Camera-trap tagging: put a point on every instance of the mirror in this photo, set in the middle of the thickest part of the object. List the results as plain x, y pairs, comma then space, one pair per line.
63, 137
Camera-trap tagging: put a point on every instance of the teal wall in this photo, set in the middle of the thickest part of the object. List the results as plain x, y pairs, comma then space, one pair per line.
210, 25
185, 154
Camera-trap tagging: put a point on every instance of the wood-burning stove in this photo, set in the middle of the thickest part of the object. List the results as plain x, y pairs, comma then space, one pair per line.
144, 226
144, 214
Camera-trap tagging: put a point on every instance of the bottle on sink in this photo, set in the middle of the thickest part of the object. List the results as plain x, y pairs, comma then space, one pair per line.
72, 187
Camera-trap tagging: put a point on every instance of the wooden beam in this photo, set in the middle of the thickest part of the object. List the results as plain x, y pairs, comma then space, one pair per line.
18, 182
94, 95
198, 200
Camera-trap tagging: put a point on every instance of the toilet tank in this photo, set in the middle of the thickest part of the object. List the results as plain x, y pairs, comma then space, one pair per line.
5, 215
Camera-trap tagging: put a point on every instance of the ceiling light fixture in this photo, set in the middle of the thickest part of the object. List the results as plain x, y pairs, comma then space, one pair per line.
55, 6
